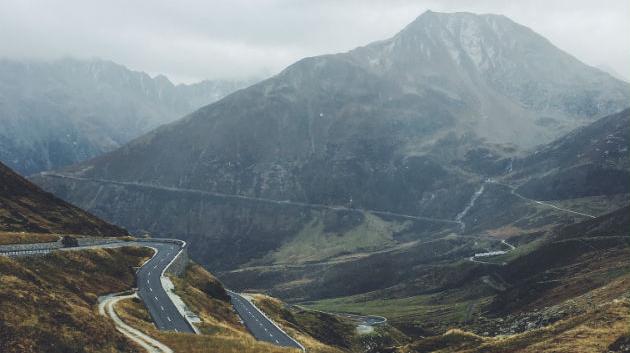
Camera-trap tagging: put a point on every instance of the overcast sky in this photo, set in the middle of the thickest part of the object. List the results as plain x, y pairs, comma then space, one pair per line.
192, 40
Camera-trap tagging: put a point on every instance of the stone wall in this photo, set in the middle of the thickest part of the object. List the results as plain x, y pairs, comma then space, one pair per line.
178, 266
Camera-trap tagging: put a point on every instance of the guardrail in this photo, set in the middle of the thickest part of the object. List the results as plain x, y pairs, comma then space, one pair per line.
37, 252
14, 250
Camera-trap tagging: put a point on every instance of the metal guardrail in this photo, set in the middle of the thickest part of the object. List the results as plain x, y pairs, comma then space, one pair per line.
16, 253
47, 248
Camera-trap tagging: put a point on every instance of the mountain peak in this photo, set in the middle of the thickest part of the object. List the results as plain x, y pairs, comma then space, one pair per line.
454, 21
499, 68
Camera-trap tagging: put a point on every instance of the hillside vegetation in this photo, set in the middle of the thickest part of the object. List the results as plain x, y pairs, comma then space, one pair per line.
570, 289
26, 238
324, 332
25, 207
48, 304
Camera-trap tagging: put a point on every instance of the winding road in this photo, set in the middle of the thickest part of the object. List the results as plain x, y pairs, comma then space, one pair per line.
261, 326
163, 311
106, 308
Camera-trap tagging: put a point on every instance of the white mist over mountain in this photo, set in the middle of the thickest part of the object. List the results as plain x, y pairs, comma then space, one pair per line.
197, 40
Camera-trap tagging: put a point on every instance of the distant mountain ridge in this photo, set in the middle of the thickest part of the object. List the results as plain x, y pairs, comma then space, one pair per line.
419, 96
56, 113
411, 125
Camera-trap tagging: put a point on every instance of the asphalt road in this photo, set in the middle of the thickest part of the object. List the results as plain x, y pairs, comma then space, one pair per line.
163, 312
259, 325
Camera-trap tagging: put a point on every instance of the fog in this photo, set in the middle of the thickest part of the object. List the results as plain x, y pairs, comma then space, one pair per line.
193, 40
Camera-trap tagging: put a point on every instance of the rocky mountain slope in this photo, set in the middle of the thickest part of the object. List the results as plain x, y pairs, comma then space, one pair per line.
342, 156
61, 112
24, 207
590, 161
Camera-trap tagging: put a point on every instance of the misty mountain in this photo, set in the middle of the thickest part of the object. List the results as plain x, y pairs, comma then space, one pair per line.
514, 84
409, 126
589, 161
61, 112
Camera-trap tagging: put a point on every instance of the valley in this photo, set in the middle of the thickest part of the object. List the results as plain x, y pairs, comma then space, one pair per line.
462, 185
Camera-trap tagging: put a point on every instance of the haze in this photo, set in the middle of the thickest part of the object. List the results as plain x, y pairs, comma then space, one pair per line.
194, 40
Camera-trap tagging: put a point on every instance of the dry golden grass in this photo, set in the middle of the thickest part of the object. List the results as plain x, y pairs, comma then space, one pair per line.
593, 332
202, 291
26, 238
605, 320
48, 304
316, 331
26, 207
220, 328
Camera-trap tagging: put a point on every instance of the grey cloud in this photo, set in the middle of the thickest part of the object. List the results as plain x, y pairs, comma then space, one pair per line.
192, 40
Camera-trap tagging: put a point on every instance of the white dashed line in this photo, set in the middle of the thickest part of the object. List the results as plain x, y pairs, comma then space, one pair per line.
150, 289
155, 298
161, 307
168, 318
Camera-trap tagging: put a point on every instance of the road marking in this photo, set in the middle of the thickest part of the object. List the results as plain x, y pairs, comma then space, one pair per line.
168, 318
277, 341
148, 282
149, 273
161, 307
155, 298
150, 289
176, 330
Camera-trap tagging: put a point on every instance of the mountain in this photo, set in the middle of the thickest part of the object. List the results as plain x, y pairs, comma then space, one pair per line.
590, 161
24, 207
516, 86
341, 157
61, 112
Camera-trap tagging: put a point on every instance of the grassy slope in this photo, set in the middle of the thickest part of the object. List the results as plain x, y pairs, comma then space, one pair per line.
322, 332
309, 328
26, 238
316, 243
49, 304
26, 207
416, 315
604, 322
